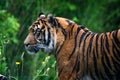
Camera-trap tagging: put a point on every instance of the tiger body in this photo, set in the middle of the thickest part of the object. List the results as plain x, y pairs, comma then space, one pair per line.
80, 53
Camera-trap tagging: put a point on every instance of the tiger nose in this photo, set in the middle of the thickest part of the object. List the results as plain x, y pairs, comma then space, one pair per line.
26, 45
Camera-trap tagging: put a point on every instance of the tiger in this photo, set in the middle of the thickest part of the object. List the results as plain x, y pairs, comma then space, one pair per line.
80, 53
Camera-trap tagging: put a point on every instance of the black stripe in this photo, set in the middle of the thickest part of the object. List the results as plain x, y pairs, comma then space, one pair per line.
81, 38
53, 22
69, 22
43, 27
90, 43
77, 64
84, 28
95, 64
89, 49
56, 23
36, 32
115, 47
84, 41
49, 37
69, 34
43, 36
60, 72
107, 44
103, 54
95, 52
78, 29
96, 44
116, 52
42, 21
115, 33
83, 48
116, 65
37, 23
63, 30
116, 58
105, 57
72, 29
65, 34
58, 50
102, 45
107, 72
116, 42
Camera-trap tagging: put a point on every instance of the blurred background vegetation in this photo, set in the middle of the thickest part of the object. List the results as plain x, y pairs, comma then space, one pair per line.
17, 15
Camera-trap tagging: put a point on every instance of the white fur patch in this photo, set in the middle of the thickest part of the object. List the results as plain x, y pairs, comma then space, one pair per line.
42, 16
86, 78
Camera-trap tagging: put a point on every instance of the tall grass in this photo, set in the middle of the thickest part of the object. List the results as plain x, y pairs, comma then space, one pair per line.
3, 64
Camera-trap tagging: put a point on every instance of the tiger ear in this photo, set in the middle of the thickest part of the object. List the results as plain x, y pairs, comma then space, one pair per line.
41, 15
51, 19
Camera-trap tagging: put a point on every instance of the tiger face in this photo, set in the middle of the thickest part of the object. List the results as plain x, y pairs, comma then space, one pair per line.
41, 35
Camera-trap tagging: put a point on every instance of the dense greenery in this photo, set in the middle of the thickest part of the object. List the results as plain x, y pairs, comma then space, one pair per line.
17, 15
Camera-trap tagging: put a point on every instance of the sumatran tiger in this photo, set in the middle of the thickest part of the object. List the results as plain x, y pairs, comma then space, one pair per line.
80, 53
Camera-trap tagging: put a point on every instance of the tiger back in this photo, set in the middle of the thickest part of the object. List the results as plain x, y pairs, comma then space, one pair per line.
80, 53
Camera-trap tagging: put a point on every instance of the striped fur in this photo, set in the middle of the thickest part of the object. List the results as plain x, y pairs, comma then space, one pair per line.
80, 53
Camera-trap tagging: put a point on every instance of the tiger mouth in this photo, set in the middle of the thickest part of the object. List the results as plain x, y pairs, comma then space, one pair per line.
33, 49
42, 49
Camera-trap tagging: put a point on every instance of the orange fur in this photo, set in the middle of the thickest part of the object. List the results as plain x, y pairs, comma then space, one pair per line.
80, 52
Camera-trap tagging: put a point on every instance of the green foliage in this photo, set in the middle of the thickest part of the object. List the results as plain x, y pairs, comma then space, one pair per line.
46, 70
112, 15
8, 30
3, 64
9, 25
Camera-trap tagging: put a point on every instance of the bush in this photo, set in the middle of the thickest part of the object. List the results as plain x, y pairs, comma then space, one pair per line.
9, 25
8, 31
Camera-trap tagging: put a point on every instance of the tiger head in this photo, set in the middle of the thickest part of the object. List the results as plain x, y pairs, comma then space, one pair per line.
44, 34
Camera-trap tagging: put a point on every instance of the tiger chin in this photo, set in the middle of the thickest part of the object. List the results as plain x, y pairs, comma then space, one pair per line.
80, 53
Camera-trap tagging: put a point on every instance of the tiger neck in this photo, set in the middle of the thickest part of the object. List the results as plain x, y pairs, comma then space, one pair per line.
63, 36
